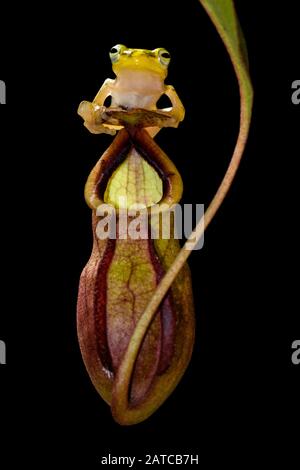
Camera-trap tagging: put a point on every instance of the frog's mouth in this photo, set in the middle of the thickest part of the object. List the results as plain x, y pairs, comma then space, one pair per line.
134, 170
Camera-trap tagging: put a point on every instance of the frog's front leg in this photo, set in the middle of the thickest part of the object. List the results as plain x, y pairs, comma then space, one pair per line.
93, 113
177, 111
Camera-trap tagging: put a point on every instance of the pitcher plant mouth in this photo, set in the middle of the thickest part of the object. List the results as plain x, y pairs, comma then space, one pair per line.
96, 189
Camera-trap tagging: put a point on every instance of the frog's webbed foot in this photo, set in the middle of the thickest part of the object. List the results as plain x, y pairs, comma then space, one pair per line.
95, 118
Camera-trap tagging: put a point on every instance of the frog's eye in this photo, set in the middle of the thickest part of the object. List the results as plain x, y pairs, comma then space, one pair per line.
164, 57
115, 52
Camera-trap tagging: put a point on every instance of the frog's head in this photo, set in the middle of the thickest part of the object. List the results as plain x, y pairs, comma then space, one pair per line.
123, 59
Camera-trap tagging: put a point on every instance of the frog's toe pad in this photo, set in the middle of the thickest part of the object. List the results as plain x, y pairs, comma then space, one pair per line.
86, 111
99, 129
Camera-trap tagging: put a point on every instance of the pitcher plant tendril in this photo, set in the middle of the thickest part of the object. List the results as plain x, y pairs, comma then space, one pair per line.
135, 312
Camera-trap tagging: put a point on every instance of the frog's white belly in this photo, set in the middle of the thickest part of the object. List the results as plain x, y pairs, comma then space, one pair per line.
134, 100
137, 89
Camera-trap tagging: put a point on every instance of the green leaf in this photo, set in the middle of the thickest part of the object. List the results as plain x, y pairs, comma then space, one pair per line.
224, 17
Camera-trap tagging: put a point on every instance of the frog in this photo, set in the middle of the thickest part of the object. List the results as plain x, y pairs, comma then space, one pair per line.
139, 84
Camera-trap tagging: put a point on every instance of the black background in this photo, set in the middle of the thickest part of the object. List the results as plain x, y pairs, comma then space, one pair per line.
240, 390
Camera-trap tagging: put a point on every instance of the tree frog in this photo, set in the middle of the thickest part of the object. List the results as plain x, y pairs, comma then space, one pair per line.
139, 83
